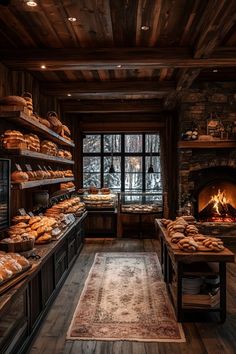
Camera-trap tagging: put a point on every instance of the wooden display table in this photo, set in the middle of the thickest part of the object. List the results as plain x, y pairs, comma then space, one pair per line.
177, 264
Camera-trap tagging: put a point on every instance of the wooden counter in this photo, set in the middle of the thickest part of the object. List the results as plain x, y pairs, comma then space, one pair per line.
24, 305
177, 263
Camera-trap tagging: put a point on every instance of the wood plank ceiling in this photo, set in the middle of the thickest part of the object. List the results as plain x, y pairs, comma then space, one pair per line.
120, 49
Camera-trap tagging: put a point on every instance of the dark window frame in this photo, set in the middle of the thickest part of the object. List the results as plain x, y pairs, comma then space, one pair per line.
123, 154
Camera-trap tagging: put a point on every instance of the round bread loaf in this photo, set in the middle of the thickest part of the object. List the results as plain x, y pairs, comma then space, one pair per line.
13, 101
19, 176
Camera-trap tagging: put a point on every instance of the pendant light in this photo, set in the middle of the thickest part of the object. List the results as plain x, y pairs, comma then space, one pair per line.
150, 168
112, 169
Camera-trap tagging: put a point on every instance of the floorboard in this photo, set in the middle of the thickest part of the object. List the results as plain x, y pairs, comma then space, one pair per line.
201, 338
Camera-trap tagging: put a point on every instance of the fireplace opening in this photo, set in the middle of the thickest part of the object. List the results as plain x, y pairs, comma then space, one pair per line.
217, 202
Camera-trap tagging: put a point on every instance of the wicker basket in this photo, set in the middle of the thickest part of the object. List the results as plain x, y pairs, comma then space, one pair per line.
22, 246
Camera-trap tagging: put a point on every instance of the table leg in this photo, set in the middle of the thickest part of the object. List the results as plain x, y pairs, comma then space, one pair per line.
179, 313
222, 271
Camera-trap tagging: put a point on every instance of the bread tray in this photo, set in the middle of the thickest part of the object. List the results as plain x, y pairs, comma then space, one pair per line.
15, 278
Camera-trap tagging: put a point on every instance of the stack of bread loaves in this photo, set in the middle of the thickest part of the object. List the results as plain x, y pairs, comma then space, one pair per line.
72, 205
33, 142
49, 148
187, 236
13, 139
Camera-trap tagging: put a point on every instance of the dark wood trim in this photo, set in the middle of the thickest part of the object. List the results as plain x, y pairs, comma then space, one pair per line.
108, 58
97, 106
108, 90
200, 144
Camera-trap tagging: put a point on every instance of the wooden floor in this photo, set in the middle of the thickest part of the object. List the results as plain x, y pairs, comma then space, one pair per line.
201, 338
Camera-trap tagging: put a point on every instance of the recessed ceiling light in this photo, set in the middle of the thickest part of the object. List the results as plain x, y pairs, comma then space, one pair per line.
145, 28
72, 19
43, 66
119, 66
215, 71
32, 3
69, 94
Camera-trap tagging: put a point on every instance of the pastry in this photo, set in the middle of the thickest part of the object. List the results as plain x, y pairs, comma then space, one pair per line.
34, 219
45, 238
19, 176
20, 218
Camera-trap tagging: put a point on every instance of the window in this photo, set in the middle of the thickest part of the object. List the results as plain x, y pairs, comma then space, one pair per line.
131, 156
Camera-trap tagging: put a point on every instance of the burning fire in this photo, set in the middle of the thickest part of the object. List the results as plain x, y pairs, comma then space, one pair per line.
218, 209
219, 199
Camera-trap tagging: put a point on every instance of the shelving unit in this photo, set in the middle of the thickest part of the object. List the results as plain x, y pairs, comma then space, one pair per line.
20, 116
213, 144
22, 119
38, 155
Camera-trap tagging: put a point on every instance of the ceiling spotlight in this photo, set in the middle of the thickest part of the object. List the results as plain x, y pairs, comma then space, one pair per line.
215, 71
72, 19
145, 28
31, 3
69, 94
43, 66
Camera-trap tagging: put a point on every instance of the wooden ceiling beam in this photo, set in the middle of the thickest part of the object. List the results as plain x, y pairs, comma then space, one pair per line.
108, 90
111, 106
123, 58
219, 17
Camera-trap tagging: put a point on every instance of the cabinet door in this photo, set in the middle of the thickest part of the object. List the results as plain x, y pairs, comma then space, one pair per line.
61, 263
71, 248
14, 325
48, 281
35, 299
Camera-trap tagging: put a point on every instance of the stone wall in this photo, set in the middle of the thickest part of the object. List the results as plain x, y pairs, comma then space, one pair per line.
195, 109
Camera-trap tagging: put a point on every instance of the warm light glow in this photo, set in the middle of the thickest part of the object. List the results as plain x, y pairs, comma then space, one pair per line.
217, 199
72, 19
43, 66
119, 66
31, 3
69, 94
145, 28
135, 163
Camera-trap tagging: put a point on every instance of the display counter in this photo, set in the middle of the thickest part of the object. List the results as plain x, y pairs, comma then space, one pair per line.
23, 306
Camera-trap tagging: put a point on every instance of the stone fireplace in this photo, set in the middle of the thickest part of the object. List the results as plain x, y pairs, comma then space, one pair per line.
204, 174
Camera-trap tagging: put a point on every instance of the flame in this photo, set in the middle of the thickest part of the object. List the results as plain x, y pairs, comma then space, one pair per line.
217, 199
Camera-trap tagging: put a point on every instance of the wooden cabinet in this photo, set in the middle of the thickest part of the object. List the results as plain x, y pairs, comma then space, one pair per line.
101, 223
23, 306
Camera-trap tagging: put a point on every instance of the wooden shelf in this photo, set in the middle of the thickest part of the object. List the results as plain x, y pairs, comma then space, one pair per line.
62, 192
20, 118
38, 155
214, 144
41, 182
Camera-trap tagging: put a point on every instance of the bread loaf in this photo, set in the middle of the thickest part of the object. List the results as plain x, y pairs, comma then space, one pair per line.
19, 176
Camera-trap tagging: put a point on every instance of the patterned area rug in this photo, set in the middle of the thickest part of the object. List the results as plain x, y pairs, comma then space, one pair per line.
124, 298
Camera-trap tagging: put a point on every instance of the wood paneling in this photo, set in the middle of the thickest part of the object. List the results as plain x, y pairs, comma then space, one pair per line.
107, 44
